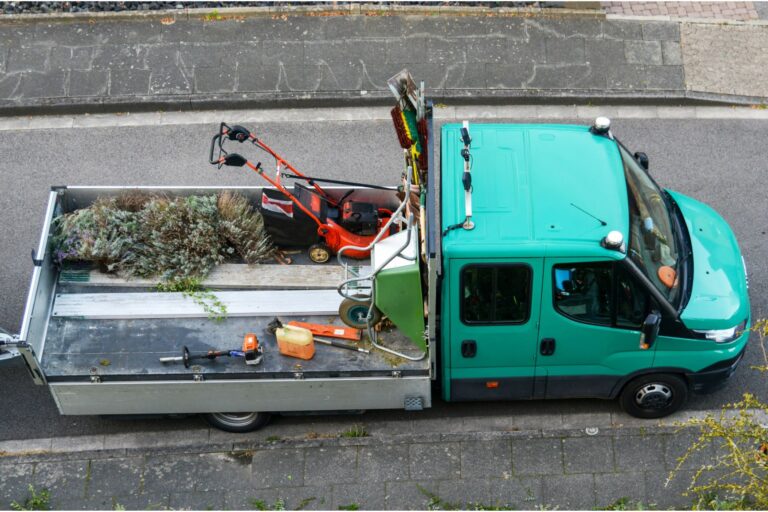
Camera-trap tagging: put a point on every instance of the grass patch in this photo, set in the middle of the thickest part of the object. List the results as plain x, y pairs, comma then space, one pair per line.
625, 503
356, 430
279, 504
437, 503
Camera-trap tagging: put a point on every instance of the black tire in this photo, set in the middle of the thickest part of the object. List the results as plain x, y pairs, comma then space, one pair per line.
237, 422
353, 313
319, 253
654, 396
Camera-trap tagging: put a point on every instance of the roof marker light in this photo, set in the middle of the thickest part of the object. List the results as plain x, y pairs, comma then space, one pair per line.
614, 241
601, 126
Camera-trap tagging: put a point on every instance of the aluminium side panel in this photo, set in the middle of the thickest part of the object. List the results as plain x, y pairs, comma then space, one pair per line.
40, 296
434, 263
167, 397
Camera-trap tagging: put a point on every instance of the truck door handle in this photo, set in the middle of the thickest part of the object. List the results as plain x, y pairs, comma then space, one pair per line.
547, 347
468, 348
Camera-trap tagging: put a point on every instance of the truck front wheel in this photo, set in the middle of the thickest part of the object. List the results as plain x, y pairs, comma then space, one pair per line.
237, 422
654, 396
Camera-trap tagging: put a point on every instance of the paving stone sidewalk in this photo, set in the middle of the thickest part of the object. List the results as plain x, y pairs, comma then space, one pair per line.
741, 11
242, 57
568, 469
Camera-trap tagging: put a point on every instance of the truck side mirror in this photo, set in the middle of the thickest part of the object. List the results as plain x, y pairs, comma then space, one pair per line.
642, 159
650, 330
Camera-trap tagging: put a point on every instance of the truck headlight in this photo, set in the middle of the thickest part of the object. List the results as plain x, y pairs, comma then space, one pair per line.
724, 335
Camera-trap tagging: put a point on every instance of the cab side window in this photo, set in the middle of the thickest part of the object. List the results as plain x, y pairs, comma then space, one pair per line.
495, 294
600, 293
632, 301
583, 292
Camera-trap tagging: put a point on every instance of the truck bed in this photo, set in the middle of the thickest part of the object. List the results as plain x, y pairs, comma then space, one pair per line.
101, 356
130, 348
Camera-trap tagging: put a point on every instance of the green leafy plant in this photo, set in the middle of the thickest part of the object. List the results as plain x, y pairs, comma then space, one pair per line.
101, 233
356, 430
279, 504
351, 506
212, 16
760, 327
37, 500
303, 503
714, 502
178, 240
193, 289
242, 230
737, 478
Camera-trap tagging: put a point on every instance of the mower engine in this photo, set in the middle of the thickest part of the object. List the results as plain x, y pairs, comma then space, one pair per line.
360, 218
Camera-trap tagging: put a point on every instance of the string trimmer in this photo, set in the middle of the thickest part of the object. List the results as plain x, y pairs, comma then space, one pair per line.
251, 351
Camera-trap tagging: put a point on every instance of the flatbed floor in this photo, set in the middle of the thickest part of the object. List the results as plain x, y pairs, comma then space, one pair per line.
128, 349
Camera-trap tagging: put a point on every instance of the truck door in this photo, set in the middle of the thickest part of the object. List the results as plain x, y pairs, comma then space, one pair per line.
590, 327
493, 319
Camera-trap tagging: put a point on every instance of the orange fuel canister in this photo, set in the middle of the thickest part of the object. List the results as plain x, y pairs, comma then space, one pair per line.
295, 342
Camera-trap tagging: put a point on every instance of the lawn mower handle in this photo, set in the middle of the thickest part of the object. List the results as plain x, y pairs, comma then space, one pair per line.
237, 133
215, 138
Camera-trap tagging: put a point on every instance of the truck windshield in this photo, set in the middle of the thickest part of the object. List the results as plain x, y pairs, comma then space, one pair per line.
652, 243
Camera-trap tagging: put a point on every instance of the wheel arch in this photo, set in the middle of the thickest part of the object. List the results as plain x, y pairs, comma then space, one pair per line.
674, 370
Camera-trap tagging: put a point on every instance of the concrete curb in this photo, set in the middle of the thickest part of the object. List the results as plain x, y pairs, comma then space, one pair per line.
196, 102
332, 434
120, 445
302, 10
442, 113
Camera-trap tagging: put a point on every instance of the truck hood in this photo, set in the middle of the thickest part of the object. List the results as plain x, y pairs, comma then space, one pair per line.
719, 298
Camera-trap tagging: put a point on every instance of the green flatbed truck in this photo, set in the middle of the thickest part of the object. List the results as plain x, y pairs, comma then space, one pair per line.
581, 277
545, 263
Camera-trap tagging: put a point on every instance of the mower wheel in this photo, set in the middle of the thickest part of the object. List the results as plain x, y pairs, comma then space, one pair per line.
353, 313
237, 422
319, 253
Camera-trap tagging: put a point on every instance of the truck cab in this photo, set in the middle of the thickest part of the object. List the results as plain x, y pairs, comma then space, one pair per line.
579, 276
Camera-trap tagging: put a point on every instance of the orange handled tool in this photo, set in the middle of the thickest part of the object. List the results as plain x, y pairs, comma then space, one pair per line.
331, 331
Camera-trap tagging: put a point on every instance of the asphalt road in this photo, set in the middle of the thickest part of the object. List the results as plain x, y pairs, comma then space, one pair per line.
721, 162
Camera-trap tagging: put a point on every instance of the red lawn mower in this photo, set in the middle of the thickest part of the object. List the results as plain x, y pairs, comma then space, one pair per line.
339, 223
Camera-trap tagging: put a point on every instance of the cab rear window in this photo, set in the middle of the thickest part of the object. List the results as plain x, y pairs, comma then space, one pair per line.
496, 294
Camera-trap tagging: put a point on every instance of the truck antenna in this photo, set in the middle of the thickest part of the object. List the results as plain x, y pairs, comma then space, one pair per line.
602, 222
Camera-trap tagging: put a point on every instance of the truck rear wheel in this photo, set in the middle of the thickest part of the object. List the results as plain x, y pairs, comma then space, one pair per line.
654, 396
237, 422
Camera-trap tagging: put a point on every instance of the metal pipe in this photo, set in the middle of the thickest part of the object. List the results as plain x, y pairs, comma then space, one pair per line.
396, 214
467, 179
